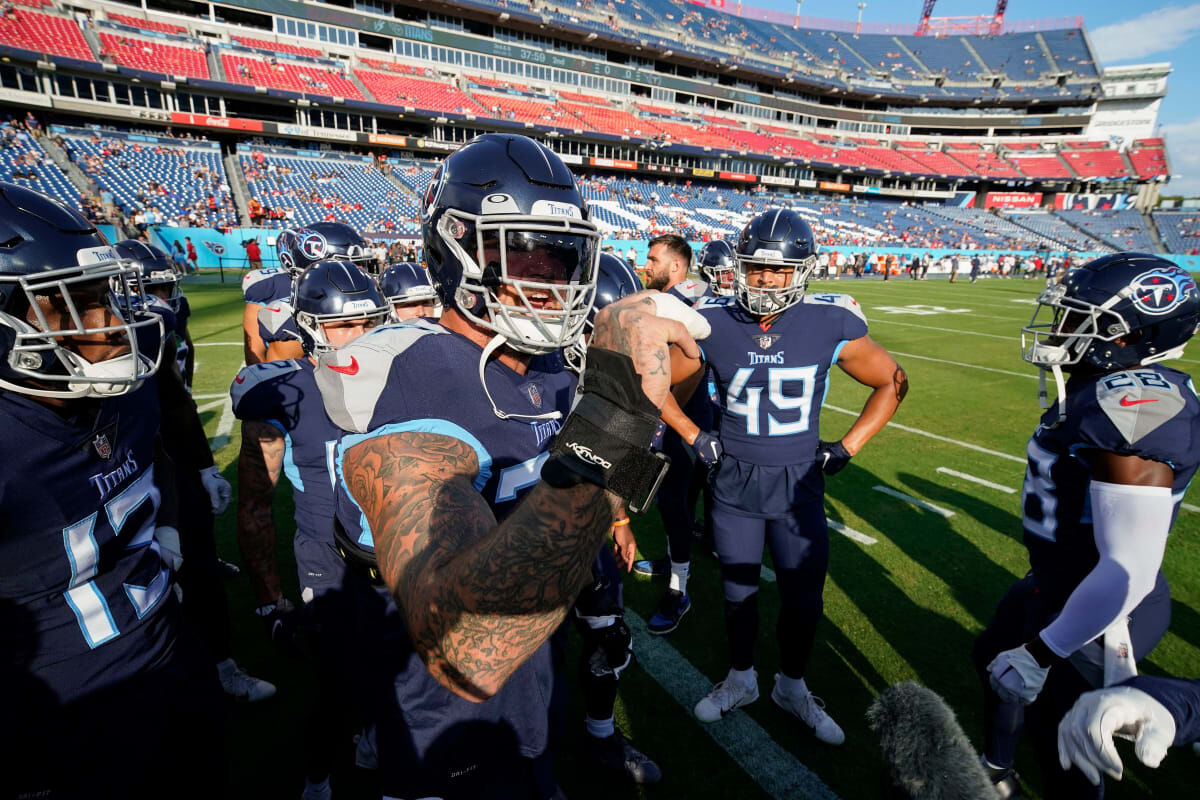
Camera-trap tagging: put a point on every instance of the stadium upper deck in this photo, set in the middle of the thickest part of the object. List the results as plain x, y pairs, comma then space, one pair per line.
448, 77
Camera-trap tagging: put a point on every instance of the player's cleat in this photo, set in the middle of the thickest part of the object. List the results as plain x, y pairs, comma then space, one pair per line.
725, 697
670, 611
228, 569
811, 710
365, 756
617, 754
1004, 780
241, 686
653, 567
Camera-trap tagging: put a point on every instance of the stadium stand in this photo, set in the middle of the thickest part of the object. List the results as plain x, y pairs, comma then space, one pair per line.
276, 47
1180, 230
45, 33
291, 76
1121, 230
1093, 160
302, 188
1046, 166
1149, 158
154, 56
177, 178
23, 161
1053, 227
145, 24
426, 95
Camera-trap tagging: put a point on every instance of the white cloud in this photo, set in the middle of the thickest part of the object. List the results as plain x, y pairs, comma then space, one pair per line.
1183, 153
1152, 32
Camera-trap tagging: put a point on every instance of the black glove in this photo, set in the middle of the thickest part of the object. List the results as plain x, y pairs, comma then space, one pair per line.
282, 621
708, 448
832, 457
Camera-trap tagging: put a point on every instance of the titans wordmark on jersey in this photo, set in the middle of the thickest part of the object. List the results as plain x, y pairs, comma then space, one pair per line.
771, 381
1150, 412
84, 594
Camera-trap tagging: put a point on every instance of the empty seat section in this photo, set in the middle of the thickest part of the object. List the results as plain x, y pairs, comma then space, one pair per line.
292, 76
428, 95
45, 33
154, 56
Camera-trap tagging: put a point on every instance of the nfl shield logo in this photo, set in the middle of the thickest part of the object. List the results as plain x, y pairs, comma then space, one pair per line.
766, 340
103, 448
535, 394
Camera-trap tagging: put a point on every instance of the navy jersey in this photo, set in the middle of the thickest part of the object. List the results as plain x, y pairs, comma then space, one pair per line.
418, 376
772, 381
1151, 412
181, 339
85, 600
265, 286
284, 394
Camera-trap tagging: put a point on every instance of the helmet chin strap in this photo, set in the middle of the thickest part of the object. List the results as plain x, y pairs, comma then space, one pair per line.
1061, 386
498, 341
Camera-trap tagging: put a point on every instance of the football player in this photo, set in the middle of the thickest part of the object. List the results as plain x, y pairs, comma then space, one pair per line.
201, 492
668, 261
161, 278
286, 430
770, 352
407, 287
94, 653
265, 287
1107, 466
715, 261
483, 531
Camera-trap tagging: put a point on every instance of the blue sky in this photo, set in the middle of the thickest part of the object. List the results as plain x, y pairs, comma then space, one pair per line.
1121, 33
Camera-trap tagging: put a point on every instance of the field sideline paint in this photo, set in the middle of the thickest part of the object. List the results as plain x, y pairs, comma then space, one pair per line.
916, 501
973, 479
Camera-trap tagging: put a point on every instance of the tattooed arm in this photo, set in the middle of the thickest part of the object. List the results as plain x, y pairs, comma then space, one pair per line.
259, 464
871, 365
478, 597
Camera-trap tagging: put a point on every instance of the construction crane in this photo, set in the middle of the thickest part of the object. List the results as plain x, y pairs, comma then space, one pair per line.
994, 25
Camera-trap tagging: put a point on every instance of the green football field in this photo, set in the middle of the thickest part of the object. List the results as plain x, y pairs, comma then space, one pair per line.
906, 606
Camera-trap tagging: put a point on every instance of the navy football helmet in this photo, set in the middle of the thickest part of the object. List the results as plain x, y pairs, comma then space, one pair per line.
777, 239
614, 279
717, 265
334, 291
159, 272
59, 277
1146, 302
409, 284
509, 242
300, 248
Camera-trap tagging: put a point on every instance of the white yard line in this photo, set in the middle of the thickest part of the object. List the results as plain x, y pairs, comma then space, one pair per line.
964, 364
217, 344
212, 396
886, 321
916, 501
973, 479
938, 437
778, 772
212, 403
850, 533
224, 427
1190, 507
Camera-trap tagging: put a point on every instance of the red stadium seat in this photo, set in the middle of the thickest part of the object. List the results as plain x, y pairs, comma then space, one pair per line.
291, 76
145, 24
45, 33
429, 95
154, 56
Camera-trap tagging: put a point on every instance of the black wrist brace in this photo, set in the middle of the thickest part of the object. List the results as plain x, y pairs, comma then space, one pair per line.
606, 439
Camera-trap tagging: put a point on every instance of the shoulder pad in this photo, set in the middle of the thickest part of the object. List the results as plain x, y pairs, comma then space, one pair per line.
255, 275
841, 300
690, 289
274, 316
255, 376
352, 378
709, 303
1138, 401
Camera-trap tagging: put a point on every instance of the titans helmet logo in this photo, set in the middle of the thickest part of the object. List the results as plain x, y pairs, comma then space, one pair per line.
313, 246
1161, 291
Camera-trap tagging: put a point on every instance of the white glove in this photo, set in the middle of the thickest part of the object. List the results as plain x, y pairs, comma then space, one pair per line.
219, 490
1085, 733
669, 306
169, 547
1016, 676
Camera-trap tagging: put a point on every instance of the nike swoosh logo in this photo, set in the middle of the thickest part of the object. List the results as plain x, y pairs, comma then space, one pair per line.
277, 309
351, 369
1125, 401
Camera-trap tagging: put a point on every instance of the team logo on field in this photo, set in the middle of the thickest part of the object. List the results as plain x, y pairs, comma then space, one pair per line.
1161, 291
103, 447
534, 393
313, 246
767, 340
